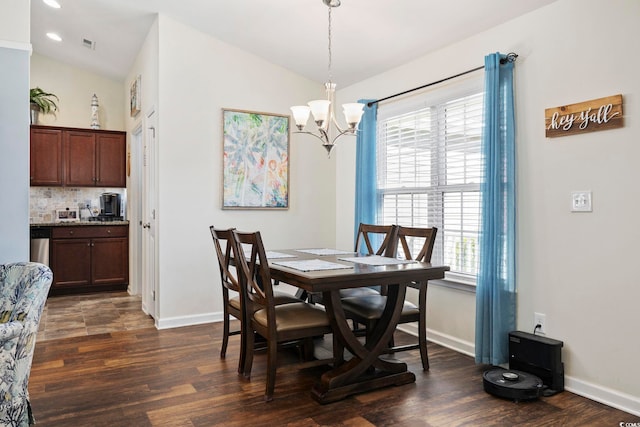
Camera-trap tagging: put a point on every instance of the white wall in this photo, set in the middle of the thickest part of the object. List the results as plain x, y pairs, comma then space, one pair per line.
74, 87
198, 77
15, 21
15, 48
578, 269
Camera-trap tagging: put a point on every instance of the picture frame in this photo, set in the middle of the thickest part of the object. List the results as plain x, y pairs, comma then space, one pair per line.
134, 97
67, 215
255, 160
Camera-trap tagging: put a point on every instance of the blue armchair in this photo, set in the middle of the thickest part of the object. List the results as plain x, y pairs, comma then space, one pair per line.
23, 292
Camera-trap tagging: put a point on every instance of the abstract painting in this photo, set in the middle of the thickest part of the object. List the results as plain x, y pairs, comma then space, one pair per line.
255, 160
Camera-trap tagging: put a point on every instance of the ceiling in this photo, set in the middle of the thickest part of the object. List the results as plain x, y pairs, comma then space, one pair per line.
368, 36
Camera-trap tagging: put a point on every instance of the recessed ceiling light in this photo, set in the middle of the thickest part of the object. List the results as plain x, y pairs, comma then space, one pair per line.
52, 3
54, 36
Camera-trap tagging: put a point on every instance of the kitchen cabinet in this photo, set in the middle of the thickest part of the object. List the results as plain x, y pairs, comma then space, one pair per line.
89, 258
46, 157
85, 157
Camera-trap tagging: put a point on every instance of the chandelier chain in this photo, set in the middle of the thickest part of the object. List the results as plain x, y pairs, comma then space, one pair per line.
329, 32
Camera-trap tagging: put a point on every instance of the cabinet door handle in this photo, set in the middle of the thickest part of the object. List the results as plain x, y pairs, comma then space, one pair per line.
108, 231
92, 244
146, 225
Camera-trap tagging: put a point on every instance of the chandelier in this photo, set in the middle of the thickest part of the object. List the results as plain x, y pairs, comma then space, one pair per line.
323, 109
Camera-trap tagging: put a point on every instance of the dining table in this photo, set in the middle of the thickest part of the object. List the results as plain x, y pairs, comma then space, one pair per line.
327, 271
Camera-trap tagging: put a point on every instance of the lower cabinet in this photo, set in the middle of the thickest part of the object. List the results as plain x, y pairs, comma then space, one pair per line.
89, 258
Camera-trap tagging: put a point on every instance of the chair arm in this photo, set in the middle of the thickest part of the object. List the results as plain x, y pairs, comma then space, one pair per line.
9, 331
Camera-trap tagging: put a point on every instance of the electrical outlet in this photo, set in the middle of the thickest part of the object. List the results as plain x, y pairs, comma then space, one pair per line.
540, 319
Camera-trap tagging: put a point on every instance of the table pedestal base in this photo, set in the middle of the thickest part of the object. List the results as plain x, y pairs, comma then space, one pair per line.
324, 393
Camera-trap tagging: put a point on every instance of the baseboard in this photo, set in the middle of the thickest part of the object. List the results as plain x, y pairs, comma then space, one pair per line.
606, 396
444, 340
177, 322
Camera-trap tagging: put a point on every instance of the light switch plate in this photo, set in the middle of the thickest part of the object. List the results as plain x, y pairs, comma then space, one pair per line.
581, 201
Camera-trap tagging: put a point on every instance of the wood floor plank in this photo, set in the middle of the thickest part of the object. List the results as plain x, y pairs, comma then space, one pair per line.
174, 377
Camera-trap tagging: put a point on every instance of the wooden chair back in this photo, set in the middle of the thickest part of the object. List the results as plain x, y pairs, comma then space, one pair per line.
411, 237
254, 268
223, 241
377, 239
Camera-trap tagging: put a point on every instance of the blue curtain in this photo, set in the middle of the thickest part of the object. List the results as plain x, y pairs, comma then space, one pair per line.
496, 287
366, 185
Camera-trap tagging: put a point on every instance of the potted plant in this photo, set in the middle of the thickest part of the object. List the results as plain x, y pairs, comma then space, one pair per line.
41, 102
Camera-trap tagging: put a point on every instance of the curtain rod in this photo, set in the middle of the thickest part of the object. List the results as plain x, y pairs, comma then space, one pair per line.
511, 57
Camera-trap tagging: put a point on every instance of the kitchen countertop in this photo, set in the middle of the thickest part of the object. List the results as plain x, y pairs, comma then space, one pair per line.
77, 223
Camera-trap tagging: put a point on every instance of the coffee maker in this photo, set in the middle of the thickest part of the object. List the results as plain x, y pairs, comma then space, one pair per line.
110, 204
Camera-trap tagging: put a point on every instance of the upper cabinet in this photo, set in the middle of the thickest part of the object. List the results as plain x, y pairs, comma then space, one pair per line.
85, 157
46, 157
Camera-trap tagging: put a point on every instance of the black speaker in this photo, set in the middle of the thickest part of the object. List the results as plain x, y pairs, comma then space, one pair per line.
540, 356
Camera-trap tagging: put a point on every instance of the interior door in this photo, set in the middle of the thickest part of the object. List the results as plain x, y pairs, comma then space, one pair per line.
149, 219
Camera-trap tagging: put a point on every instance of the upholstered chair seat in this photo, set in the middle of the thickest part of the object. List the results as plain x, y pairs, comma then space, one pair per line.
370, 307
294, 316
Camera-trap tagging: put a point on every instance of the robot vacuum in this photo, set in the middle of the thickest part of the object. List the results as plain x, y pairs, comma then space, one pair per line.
512, 384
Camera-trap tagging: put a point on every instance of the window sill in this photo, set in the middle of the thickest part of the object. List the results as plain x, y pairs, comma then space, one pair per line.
456, 281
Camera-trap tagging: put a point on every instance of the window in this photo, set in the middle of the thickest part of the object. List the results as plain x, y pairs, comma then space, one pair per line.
430, 169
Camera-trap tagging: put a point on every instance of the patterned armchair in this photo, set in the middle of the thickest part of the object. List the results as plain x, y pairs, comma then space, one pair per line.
23, 292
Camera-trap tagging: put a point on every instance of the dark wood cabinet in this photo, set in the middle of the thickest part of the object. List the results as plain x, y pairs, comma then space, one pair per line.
89, 258
86, 157
80, 155
46, 157
111, 152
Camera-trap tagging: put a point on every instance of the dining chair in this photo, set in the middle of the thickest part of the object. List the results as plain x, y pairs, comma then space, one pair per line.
299, 321
368, 309
373, 239
232, 305
232, 301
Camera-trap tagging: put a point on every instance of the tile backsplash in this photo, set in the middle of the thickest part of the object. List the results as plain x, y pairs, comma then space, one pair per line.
43, 201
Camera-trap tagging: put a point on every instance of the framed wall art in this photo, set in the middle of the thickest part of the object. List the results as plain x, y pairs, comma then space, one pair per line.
255, 160
134, 97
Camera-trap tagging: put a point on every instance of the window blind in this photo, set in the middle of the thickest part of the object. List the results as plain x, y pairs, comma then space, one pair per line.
430, 169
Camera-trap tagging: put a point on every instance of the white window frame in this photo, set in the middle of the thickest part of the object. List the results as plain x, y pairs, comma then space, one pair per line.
468, 85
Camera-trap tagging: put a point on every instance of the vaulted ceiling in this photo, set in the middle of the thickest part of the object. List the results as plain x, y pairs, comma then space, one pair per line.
368, 36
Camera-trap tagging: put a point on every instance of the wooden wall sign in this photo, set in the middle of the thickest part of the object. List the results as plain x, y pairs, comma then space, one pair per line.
588, 116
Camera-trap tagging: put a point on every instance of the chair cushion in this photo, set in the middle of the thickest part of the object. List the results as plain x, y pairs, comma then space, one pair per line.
371, 307
284, 298
295, 316
357, 292
235, 302
279, 297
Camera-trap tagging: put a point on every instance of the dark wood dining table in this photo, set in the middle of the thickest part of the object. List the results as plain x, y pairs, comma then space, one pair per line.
365, 370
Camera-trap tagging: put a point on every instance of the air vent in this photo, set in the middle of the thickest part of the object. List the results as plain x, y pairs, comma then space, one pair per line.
89, 44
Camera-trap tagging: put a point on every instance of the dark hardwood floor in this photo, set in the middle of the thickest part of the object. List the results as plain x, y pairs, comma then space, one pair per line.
175, 377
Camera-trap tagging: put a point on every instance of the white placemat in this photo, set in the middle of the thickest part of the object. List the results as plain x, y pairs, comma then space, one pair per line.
312, 265
324, 251
276, 255
376, 260
269, 254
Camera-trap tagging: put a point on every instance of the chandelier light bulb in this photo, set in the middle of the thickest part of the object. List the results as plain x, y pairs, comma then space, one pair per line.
352, 114
300, 115
320, 110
